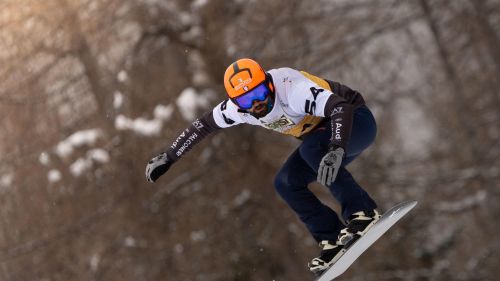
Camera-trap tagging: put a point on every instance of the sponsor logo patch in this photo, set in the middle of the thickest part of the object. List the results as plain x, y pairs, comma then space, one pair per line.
280, 124
197, 124
243, 84
337, 131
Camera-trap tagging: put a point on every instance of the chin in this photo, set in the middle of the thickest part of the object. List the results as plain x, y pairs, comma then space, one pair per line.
259, 114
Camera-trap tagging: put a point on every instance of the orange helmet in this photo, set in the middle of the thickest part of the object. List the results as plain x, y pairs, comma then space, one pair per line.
242, 76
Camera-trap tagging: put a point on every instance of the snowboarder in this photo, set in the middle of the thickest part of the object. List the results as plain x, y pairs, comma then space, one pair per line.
335, 126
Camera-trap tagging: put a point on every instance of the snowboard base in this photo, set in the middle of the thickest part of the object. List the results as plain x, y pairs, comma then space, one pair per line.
386, 221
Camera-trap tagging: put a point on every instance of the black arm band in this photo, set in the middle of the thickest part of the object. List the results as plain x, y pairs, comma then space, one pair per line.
341, 115
192, 135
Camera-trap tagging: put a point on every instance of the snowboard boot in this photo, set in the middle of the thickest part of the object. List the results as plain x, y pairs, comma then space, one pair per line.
357, 225
330, 253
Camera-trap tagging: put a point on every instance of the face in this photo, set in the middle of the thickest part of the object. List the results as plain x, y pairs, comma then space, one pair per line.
260, 108
258, 101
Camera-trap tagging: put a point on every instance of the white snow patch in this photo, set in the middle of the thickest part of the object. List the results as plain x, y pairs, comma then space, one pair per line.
122, 76
200, 78
231, 50
44, 158
78, 139
197, 4
54, 176
143, 126
64, 149
28, 24
178, 248
192, 34
130, 242
6, 180
117, 100
139, 125
80, 166
185, 18
189, 100
94, 262
162, 112
197, 236
98, 155
242, 198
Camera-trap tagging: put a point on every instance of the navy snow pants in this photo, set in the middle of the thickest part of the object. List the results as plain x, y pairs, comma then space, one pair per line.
301, 169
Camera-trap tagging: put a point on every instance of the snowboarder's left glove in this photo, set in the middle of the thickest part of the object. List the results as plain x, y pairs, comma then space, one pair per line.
330, 164
157, 167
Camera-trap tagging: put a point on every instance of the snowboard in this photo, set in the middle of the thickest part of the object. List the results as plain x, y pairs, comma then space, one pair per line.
385, 222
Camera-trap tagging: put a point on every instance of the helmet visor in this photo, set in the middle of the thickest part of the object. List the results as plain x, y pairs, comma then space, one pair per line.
260, 93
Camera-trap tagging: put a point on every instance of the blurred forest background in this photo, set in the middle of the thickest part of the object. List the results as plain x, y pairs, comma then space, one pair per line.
90, 90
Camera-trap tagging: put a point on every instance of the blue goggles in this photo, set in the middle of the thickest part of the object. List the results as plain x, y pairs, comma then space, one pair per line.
260, 93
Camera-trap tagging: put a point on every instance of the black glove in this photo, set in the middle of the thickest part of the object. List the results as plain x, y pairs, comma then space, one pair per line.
330, 164
157, 167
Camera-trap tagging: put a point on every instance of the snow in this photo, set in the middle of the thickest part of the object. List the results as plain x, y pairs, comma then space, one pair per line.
200, 78
89, 137
192, 34
185, 18
139, 125
80, 166
117, 100
29, 24
242, 198
54, 176
64, 149
130, 242
98, 155
231, 50
163, 112
94, 262
86, 137
178, 248
122, 76
189, 101
44, 158
197, 236
6, 180
197, 4
143, 126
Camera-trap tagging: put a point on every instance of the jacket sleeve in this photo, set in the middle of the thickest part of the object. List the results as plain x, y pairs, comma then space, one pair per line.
340, 107
192, 135
341, 115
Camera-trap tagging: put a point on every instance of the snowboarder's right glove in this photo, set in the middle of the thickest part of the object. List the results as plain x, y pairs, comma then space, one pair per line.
330, 164
157, 167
